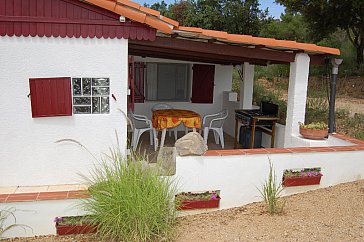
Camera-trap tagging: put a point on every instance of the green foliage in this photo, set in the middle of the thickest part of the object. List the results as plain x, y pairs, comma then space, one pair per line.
317, 125
208, 195
74, 220
271, 192
289, 27
323, 18
275, 96
129, 201
353, 126
234, 16
303, 172
272, 71
317, 106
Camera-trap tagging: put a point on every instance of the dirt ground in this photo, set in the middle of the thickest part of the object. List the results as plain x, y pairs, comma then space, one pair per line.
330, 214
350, 91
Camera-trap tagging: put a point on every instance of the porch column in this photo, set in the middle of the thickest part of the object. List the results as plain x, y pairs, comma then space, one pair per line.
297, 94
246, 87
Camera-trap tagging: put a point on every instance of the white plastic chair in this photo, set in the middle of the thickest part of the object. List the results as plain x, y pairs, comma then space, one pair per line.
141, 124
161, 106
214, 122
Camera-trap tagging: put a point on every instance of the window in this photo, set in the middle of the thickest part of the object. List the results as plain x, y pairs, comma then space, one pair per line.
50, 96
91, 95
167, 82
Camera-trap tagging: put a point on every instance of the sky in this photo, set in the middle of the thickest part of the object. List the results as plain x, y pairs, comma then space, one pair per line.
275, 10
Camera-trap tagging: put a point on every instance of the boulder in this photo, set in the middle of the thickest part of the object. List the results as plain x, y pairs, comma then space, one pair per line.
191, 144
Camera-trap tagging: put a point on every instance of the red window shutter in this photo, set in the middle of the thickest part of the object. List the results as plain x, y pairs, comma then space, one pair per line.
139, 82
203, 83
50, 96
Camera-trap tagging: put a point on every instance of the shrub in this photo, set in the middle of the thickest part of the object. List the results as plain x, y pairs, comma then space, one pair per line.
271, 192
129, 201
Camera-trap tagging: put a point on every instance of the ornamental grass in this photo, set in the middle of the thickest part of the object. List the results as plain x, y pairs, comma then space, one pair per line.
271, 192
130, 201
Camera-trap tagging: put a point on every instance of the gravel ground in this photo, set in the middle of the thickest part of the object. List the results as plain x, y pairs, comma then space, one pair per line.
330, 214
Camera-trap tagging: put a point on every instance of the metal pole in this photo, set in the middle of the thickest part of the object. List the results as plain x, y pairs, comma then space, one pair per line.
335, 70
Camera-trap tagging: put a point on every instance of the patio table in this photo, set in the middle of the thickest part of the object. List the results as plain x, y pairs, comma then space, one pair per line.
169, 118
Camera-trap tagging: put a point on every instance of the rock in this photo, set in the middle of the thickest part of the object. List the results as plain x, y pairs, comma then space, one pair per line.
166, 161
191, 144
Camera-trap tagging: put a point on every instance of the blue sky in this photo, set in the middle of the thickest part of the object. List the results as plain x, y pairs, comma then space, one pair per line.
274, 9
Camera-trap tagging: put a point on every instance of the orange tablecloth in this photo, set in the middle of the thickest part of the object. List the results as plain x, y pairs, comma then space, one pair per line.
169, 118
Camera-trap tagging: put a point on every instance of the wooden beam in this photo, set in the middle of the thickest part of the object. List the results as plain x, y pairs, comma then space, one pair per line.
318, 59
191, 55
218, 49
179, 57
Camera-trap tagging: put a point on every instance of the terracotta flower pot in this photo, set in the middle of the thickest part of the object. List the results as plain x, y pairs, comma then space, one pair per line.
198, 204
314, 134
301, 181
75, 229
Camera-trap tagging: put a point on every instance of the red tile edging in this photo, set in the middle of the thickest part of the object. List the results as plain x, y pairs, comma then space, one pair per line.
359, 145
41, 196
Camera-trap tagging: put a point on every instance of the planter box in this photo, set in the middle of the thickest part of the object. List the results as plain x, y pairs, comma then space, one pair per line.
314, 134
75, 229
301, 181
199, 204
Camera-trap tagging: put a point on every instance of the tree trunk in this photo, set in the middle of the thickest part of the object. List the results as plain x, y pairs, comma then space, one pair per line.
360, 55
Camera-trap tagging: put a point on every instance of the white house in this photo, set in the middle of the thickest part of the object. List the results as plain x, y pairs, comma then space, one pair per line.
64, 66
68, 67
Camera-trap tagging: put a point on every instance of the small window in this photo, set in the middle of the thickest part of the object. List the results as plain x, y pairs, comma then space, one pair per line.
91, 95
167, 82
50, 96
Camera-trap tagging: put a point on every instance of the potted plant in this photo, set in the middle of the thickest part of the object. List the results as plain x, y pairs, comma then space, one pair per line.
198, 200
315, 131
301, 177
74, 225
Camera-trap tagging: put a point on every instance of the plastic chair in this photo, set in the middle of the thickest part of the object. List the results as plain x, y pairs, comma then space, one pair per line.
215, 122
161, 106
141, 124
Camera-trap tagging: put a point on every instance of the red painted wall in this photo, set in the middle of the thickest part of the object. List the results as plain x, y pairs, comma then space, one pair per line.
66, 18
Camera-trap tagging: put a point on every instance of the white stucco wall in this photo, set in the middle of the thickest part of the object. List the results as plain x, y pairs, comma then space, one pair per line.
239, 177
39, 216
223, 82
297, 95
28, 152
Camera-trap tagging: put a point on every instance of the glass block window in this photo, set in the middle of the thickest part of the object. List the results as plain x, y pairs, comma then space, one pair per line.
91, 95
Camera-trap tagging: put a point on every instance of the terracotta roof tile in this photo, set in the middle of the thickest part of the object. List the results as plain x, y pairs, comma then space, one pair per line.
247, 39
128, 3
131, 14
190, 29
150, 11
168, 20
214, 33
138, 13
154, 22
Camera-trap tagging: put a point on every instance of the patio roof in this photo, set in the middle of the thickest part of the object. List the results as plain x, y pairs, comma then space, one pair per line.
170, 31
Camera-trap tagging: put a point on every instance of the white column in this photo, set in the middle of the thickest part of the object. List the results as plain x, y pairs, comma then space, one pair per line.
297, 94
246, 87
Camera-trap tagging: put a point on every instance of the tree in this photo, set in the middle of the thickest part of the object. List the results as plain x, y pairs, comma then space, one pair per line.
289, 27
326, 16
233, 16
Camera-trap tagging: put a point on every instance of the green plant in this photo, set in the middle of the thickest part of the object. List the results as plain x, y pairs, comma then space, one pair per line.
5, 214
73, 220
303, 172
317, 125
208, 195
271, 192
129, 201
